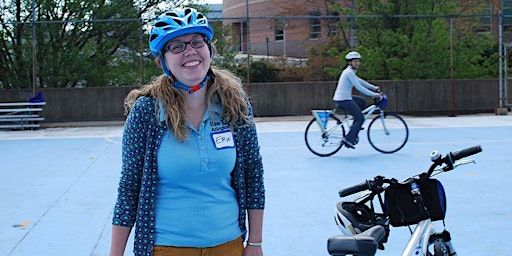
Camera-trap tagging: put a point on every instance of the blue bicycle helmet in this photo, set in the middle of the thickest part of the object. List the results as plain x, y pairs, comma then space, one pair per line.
175, 23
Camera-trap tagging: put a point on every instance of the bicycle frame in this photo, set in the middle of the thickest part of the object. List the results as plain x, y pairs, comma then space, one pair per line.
367, 112
419, 241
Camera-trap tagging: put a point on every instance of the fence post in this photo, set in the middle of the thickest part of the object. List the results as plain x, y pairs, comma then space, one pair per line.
34, 49
452, 78
248, 48
501, 110
141, 53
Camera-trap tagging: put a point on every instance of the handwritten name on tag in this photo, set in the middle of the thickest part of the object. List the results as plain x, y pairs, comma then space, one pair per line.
223, 139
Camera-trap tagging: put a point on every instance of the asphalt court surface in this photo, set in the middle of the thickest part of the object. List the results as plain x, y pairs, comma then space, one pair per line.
59, 186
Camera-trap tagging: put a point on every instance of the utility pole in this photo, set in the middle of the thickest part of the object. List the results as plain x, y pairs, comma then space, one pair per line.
353, 24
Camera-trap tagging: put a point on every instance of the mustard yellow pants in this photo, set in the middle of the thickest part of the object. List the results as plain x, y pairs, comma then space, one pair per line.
231, 248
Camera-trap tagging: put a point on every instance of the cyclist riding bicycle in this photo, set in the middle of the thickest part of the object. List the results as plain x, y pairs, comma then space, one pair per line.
343, 95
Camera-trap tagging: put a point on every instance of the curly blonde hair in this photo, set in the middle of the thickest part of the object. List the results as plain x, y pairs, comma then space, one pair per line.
223, 87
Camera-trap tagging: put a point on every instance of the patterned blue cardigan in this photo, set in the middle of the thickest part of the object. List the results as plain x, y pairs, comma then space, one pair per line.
138, 185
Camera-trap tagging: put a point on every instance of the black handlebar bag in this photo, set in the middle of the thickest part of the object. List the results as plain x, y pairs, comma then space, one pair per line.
403, 210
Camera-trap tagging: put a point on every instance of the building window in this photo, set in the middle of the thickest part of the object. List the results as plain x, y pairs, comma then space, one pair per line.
279, 30
332, 24
315, 25
333, 28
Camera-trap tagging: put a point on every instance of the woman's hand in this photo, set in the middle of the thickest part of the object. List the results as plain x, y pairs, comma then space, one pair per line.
255, 233
250, 250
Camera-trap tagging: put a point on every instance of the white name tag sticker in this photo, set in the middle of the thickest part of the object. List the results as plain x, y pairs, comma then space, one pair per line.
223, 139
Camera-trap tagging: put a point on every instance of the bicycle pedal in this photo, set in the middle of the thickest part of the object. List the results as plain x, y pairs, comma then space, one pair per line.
348, 144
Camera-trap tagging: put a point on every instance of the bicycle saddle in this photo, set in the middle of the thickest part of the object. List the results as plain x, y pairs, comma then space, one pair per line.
364, 244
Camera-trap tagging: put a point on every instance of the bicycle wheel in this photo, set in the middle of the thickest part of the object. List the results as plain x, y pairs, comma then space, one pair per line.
440, 249
388, 134
324, 143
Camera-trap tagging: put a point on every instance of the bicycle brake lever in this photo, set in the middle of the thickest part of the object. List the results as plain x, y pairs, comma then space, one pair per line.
456, 164
463, 162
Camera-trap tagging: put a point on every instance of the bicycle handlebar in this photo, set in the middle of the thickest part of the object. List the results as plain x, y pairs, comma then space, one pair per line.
379, 181
354, 189
375, 186
465, 152
451, 157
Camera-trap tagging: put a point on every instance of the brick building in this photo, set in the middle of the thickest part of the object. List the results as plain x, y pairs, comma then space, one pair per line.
279, 27
289, 28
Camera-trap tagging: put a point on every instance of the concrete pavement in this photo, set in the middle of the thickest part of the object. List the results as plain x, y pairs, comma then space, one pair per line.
59, 186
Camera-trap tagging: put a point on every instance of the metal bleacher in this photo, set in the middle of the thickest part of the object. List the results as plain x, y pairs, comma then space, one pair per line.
21, 115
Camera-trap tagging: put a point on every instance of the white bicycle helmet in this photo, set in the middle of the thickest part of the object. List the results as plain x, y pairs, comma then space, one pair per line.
352, 55
354, 218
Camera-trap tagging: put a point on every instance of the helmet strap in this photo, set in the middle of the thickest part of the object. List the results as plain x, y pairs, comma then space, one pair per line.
210, 49
193, 88
163, 63
180, 85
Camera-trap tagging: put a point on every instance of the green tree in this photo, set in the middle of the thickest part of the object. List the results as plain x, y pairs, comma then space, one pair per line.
395, 47
226, 52
88, 43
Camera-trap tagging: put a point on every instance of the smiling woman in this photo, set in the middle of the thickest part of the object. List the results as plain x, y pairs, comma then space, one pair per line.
185, 192
188, 64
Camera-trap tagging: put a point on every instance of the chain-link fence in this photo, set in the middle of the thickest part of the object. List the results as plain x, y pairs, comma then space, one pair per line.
398, 47
114, 52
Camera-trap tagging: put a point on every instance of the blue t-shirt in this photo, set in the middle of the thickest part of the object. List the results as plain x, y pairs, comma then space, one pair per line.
196, 205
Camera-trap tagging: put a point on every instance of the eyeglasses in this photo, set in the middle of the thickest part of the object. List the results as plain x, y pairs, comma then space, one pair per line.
178, 47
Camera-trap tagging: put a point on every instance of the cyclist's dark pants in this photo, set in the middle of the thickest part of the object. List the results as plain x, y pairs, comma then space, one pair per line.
353, 109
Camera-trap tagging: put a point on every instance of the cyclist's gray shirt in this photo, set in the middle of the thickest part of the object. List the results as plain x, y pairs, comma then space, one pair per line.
349, 79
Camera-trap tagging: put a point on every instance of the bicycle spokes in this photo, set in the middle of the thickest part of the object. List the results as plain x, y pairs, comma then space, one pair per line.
383, 123
324, 138
388, 133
